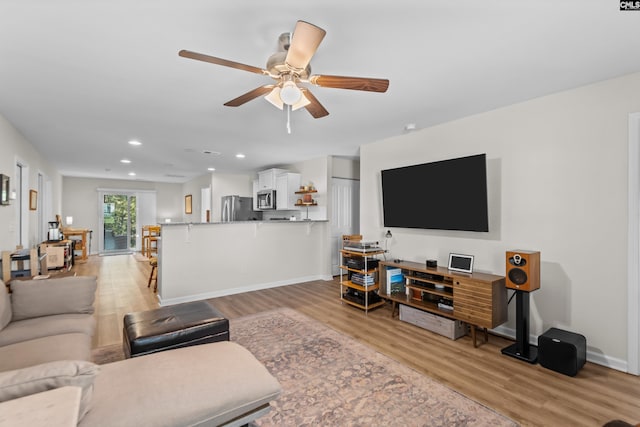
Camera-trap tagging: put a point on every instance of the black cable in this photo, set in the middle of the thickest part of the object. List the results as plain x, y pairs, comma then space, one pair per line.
512, 295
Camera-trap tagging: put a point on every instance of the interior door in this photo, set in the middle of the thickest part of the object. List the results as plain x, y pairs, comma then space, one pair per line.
345, 217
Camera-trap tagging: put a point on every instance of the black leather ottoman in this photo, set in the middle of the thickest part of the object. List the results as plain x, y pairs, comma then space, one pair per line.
174, 326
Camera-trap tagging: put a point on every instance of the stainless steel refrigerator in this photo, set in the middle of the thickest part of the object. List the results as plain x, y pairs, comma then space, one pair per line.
236, 208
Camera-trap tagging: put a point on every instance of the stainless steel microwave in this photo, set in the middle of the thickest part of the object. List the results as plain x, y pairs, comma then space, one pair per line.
266, 199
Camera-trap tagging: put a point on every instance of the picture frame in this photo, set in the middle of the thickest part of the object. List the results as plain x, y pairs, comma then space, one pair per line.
188, 204
4, 190
461, 263
33, 200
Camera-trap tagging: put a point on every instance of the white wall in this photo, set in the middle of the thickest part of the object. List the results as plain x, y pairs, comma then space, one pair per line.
209, 260
194, 188
80, 200
14, 147
557, 176
347, 168
316, 172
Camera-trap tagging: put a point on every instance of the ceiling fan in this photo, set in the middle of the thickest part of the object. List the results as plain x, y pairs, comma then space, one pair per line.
290, 67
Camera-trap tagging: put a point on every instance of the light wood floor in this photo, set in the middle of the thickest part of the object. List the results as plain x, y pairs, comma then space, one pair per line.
529, 394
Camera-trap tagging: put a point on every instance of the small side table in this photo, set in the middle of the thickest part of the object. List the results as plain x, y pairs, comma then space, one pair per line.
78, 232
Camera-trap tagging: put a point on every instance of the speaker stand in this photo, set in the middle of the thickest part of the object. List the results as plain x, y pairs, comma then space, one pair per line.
521, 349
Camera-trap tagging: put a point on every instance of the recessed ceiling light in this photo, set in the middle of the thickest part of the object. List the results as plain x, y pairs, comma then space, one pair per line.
240, 156
125, 161
134, 142
132, 174
211, 169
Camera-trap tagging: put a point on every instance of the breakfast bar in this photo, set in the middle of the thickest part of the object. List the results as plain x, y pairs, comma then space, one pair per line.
207, 260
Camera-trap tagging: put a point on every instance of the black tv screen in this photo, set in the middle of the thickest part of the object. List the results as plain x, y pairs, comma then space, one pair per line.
444, 195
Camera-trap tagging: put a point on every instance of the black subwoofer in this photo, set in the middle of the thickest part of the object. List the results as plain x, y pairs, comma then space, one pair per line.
562, 351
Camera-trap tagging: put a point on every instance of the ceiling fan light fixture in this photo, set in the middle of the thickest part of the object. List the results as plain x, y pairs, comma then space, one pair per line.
303, 102
274, 98
290, 94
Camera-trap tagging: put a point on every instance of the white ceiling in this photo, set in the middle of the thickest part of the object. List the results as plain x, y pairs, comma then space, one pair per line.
81, 78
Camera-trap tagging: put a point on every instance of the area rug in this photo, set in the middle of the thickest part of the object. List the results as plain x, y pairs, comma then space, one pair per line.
329, 379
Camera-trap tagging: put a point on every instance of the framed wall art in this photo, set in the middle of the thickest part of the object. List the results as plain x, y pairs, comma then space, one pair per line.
4, 190
33, 200
187, 204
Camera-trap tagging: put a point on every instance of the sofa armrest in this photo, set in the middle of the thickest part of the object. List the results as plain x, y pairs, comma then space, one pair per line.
37, 298
56, 407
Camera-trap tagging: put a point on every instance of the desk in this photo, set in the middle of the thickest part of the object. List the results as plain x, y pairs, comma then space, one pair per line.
82, 232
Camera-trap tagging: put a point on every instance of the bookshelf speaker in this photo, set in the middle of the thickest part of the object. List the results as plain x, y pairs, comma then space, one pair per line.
523, 270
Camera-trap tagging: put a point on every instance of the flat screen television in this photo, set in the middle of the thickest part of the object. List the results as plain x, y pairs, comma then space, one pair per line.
444, 195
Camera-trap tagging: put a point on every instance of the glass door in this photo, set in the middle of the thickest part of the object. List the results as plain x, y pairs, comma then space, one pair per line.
119, 223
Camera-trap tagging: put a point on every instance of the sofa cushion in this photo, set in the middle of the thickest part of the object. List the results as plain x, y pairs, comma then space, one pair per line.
46, 349
35, 298
28, 329
47, 376
5, 306
207, 384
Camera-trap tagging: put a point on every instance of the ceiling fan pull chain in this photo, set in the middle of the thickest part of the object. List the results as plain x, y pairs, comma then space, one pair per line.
289, 119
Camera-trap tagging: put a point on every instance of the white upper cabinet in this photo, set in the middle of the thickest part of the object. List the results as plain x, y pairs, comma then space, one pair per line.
255, 194
267, 178
286, 186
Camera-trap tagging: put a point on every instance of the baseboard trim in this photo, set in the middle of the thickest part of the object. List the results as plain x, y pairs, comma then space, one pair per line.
239, 290
592, 356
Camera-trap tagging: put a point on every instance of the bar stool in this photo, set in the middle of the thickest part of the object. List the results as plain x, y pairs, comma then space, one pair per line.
150, 240
153, 277
143, 243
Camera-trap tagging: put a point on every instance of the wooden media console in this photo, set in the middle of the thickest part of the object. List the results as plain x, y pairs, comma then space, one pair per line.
479, 299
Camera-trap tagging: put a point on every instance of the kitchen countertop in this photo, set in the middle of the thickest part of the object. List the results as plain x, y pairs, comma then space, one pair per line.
261, 221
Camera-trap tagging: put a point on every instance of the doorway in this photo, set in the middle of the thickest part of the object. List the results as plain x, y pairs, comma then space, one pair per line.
633, 269
119, 222
345, 215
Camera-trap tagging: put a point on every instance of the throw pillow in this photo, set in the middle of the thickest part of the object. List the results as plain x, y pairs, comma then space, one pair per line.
47, 376
36, 298
5, 306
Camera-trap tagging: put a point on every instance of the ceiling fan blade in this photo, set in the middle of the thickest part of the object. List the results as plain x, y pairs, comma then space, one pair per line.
220, 61
314, 108
252, 94
304, 43
354, 83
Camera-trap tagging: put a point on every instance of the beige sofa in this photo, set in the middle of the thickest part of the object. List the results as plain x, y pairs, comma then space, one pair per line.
45, 344
46, 320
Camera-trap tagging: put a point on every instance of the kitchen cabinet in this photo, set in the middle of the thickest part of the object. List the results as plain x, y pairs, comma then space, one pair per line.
267, 178
286, 186
255, 194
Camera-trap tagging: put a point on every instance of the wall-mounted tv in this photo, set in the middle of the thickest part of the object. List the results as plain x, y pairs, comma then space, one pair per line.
444, 195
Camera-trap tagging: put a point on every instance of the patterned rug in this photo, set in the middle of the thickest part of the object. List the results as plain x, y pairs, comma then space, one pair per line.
329, 379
